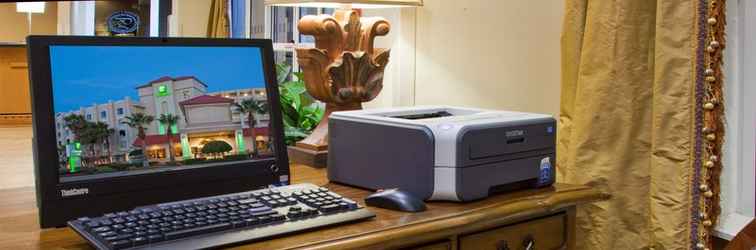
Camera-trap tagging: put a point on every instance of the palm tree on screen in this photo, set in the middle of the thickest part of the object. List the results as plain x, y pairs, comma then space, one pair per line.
169, 120
102, 132
139, 121
250, 107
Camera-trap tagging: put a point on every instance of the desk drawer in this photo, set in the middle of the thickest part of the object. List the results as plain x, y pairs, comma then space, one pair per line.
545, 233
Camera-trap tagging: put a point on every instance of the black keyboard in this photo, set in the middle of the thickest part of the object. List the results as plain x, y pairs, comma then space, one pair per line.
220, 220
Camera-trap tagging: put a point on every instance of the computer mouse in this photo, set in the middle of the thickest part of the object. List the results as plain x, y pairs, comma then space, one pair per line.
395, 199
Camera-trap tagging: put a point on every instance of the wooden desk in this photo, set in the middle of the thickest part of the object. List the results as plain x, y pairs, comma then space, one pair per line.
547, 214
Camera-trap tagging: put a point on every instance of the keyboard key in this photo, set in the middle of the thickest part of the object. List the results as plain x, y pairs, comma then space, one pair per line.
293, 214
121, 244
107, 234
329, 208
101, 229
238, 223
138, 241
198, 230
106, 222
264, 219
252, 221
155, 238
264, 213
278, 217
258, 209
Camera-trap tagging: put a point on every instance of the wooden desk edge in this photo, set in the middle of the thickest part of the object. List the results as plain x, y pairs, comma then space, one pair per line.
473, 220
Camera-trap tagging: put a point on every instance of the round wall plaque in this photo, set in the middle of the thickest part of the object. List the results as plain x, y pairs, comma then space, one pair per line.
123, 22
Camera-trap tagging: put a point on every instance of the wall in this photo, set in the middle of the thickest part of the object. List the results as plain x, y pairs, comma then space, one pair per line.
14, 83
14, 26
189, 18
489, 54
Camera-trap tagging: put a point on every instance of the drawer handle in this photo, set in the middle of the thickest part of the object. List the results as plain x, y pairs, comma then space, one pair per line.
502, 245
528, 243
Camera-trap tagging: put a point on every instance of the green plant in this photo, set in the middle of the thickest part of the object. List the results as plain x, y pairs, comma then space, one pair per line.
300, 111
135, 152
216, 148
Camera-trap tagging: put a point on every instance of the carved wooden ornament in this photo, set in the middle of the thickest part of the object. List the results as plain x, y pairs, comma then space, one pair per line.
343, 70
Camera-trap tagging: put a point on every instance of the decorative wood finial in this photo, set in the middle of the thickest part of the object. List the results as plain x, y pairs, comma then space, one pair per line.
344, 69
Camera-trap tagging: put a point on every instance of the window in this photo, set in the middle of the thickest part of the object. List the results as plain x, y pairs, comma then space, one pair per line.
156, 153
185, 93
280, 25
737, 180
119, 111
89, 117
122, 133
103, 114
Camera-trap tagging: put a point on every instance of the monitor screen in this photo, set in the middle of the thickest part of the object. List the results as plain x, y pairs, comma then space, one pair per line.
130, 110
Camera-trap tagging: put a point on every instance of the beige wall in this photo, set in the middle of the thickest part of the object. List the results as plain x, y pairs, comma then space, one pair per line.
489, 54
14, 26
191, 18
14, 81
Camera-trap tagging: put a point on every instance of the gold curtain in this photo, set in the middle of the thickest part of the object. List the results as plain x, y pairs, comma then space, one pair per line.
630, 119
218, 23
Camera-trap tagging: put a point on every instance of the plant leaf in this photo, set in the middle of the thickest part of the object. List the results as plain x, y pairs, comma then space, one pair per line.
282, 72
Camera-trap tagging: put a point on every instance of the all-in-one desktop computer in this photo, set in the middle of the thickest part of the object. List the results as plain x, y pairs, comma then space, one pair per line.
166, 143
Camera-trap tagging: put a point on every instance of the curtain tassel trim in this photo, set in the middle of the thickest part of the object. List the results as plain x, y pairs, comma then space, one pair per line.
709, 122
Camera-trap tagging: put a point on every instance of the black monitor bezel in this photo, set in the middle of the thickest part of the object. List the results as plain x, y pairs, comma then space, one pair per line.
118, 193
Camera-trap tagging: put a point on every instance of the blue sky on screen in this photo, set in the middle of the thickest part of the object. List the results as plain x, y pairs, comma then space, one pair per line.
83, 75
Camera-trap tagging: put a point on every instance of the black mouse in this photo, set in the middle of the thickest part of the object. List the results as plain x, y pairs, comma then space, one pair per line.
395, 199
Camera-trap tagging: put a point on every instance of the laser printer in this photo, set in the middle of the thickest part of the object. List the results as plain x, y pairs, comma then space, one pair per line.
442, 152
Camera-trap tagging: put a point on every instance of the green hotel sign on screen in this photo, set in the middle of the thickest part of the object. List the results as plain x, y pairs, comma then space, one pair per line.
162, 90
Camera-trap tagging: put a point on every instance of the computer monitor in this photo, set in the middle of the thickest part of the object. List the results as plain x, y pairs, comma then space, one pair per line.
121, 122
